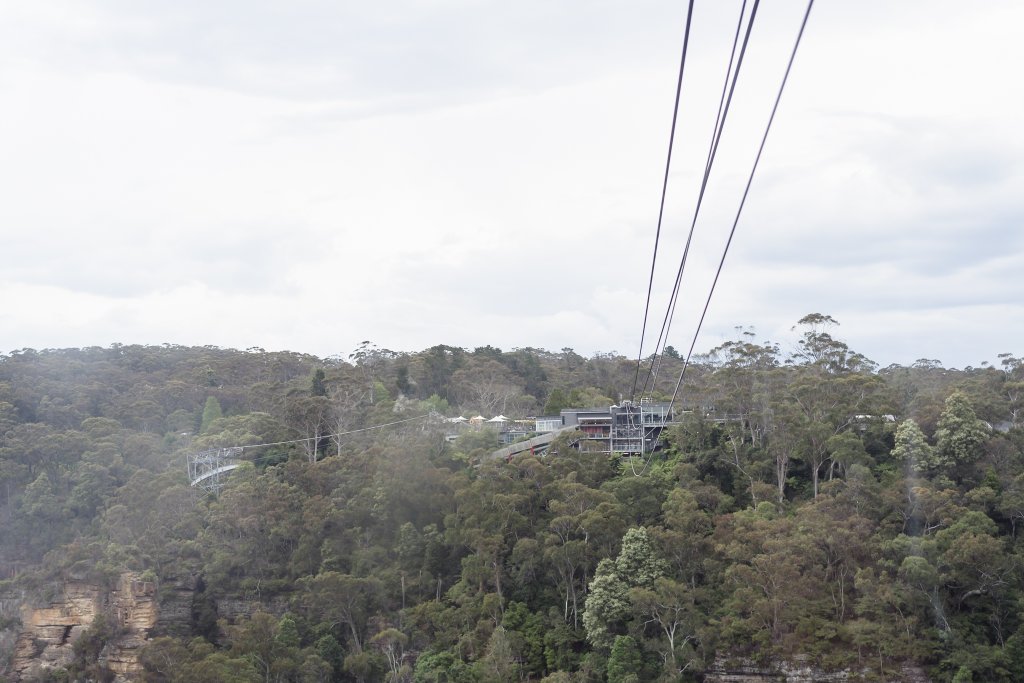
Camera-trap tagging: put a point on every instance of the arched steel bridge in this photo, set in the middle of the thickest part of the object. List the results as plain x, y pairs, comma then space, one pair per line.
207, 469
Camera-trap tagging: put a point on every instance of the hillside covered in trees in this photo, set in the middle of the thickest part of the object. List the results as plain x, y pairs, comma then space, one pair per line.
807, 506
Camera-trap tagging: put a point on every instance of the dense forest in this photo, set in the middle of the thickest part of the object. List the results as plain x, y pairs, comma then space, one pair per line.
805, 505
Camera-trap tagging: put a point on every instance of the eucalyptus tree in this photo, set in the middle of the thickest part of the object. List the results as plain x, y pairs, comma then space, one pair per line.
309, 417
1013, 386
829, 387
913, 451
961, 436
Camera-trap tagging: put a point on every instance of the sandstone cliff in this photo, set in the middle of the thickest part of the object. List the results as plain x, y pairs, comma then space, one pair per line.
49, 632
798, 671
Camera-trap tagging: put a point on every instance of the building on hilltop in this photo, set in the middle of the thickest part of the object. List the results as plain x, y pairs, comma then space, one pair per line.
508, 430
627, 429
630, 428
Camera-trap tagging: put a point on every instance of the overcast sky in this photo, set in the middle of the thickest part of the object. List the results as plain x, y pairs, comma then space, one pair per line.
306, 175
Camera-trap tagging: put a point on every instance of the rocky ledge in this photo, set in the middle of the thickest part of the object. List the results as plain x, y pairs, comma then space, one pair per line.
797, 671
50, 632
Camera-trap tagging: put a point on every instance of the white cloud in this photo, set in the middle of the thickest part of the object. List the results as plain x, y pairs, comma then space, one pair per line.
307, 177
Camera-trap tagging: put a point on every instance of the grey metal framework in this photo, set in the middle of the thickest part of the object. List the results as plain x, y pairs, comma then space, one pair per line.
636, 427
207, 470
630, 428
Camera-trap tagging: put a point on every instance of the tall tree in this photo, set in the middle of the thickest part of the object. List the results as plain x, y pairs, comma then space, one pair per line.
309, 417
332, 597
912, 449
961, 436
211, 411
638, 565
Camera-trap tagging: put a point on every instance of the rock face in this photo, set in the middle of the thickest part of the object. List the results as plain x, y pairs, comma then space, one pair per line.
135, 611
176, 596
10, 626
238, 609
746, 671
50, 632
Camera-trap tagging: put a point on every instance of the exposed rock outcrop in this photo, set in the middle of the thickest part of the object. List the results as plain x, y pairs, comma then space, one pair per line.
797, 671
176, 597
49, 633
235, 610
135, 610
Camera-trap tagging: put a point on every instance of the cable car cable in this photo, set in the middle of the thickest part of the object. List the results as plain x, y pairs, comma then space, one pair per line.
746, 191
664, 191
731, 79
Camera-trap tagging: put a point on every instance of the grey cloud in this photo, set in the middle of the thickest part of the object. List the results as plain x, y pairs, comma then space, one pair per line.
922, 195
928, 245
877, 214
244, 257
503, 276
933, 155
329, 50
876, 289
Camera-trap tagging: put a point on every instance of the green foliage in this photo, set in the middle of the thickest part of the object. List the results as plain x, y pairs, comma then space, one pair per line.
637, 565
86, 650
557, 401
166, 660
789, 518
475, 444
525, 632
625, 662
211, 411
436, 404
961, 436
317, 386
913, 450
442, 667
963, 675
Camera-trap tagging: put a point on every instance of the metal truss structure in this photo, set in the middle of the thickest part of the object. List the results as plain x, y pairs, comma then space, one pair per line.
207, 470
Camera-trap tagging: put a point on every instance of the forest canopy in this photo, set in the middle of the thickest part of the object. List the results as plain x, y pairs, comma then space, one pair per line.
807, 506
